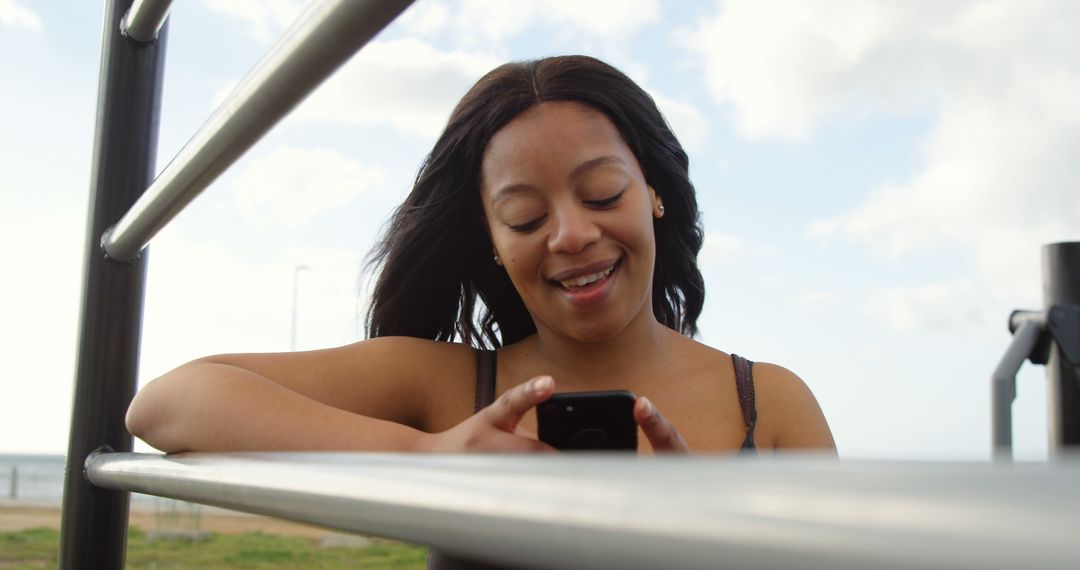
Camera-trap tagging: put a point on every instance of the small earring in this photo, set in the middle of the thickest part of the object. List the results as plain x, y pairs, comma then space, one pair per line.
497, 260
659, 210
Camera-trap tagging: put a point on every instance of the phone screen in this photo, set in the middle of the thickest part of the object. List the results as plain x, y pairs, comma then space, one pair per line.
588, 421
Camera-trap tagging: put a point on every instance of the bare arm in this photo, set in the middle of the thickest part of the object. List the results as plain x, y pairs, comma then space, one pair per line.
206, 406
366, 396
376, 395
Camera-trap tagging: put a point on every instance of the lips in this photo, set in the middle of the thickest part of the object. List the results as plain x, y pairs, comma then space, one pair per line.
587, 286
587, 279
584, 276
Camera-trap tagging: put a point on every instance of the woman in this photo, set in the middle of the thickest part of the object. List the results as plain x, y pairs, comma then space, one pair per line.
559, 199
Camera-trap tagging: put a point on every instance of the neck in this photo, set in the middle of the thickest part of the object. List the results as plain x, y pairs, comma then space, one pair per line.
625, 361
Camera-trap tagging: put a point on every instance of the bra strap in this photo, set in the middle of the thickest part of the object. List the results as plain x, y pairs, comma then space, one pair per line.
486, 369
744, 380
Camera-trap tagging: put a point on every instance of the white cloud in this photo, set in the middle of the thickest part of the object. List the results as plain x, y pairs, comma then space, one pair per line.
686, 120
425, 17
292, 185
721, 248
928, 308
997, 82
814, 297
785, 65
609, 20
605, 18
406, 83
14, 15
266, 19
413, 86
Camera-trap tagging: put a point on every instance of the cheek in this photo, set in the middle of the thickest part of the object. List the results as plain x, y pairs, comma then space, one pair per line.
514, 253
639, 231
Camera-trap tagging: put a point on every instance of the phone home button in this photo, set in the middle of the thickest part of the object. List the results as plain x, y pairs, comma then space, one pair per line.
591, 438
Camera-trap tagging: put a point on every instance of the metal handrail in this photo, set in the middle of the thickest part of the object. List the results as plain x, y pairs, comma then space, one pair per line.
596, 511
144, 19
327, 34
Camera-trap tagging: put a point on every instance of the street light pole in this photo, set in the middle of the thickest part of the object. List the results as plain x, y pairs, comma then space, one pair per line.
295, 296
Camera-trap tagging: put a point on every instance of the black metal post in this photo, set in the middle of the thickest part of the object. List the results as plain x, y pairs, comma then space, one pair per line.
94, 527
1061, 287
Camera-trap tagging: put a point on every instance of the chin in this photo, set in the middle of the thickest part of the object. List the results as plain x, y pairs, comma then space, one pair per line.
594, 332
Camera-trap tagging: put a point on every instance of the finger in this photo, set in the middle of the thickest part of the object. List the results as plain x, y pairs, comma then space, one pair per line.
508, 410
662, 435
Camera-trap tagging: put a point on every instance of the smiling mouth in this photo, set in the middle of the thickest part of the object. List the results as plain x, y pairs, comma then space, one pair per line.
585, 281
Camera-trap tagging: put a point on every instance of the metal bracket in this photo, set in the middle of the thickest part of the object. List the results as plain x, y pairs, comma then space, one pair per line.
1040, 351
1060, 325
1063, 326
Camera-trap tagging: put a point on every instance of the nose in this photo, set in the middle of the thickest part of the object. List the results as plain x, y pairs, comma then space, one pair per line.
573, 231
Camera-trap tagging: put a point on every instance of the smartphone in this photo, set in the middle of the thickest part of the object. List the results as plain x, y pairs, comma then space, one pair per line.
588, 421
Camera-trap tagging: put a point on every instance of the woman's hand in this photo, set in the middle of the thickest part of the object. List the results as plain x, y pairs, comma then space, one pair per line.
663, 437
495, 428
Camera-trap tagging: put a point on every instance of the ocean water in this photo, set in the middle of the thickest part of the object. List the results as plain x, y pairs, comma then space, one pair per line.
39, 479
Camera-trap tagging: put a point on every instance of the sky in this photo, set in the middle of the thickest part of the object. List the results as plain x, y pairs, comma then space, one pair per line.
876, 180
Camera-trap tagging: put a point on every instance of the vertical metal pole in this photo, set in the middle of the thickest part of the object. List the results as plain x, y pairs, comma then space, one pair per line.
1061, 286
93, 531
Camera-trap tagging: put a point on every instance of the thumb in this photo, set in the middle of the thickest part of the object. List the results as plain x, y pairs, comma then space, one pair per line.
506, 412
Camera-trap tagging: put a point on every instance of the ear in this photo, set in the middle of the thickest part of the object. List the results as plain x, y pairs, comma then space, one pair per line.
657, 203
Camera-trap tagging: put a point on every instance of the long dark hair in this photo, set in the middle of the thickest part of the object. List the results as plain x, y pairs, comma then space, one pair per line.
436, 255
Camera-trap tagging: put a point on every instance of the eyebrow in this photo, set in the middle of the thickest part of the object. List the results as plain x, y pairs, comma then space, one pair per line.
595, 163
578, 171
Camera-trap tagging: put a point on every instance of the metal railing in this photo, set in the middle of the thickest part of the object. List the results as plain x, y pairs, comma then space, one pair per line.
144, 19
613, 511
535, 511
324, 37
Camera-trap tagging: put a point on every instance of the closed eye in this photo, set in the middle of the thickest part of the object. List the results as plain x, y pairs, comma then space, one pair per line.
527, 226
606, 202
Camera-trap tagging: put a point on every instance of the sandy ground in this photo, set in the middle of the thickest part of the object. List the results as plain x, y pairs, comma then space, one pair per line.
16, 516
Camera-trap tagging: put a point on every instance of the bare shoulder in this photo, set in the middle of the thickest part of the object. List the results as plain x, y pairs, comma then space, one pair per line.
439, 376
413, 357
442, 376
788, 413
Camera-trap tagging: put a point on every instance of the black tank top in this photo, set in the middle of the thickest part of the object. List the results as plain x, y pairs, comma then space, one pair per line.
486, 371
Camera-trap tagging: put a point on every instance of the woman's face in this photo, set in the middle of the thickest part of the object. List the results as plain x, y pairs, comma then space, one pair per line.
571, 217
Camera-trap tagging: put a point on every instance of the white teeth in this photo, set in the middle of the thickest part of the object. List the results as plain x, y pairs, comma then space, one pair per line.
586, 279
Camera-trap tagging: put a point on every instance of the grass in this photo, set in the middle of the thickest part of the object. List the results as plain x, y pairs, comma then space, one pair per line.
37, 548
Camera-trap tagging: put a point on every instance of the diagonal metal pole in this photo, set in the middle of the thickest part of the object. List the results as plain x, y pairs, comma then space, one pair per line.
93, 529
323, 38
1028, 330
